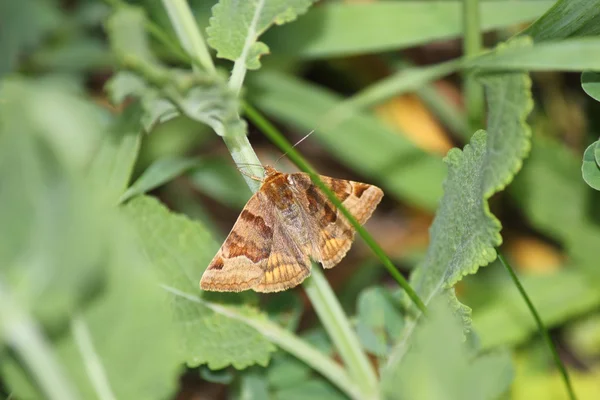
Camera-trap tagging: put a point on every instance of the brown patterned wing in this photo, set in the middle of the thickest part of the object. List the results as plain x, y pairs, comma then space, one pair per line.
241, 261
287, 265
334, 235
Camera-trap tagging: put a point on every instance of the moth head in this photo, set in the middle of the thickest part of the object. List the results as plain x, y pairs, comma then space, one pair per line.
270, 171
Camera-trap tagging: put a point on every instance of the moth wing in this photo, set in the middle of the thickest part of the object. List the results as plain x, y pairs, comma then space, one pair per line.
333, 234
287, 265
241, 261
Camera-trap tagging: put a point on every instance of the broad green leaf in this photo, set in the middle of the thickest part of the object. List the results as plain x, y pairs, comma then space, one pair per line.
157, 174
464, 233
331, 30
236, 25
567, 18
113, 163
441, 365
123, 344
379, 322
52, 228
589, 168
506, 321
576, 54
597, 152
590, 82
180, 250
379, 153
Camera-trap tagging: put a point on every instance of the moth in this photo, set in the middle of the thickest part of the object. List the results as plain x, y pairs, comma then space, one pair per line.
285, 224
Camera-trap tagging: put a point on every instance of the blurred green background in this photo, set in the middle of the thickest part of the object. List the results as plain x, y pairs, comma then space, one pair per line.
68, 154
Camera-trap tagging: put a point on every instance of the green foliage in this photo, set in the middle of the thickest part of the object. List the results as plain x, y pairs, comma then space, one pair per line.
99, 293
439, 351
415, 179
590, 82
235, 26
331, 30
567, 18
158, 173
591, 168
179, 250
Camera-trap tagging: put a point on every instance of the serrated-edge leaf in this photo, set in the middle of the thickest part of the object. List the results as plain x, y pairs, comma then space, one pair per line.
464, 233
179, 250
236, 26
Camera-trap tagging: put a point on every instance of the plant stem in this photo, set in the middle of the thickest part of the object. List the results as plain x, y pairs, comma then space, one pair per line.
541, 327
188, 32
91, 360
273, 134
473, 90
287, 341
24, 336
338, 326
245, 158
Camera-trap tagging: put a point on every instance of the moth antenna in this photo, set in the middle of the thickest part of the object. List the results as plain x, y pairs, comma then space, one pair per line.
297, 143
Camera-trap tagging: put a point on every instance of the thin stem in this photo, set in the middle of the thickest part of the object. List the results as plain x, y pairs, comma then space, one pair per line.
541, 327
472, 44
287, 341
24, 335
188, 32
91, 360
273, 134
245, 158
338, 326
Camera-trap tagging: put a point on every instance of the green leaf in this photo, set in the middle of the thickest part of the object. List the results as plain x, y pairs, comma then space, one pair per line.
312, 388
590, 82
386, 157
331, 29
590, 168
113, 163
439, 351
219, 179
24, 26
127, 33
576, 54
123, 345
567, 18
464, 233
157, 174
236, 25
180, 250
552, 178
506, 321
52, 227
379, 322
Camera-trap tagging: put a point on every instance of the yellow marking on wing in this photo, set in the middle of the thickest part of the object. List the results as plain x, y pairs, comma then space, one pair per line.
277, 274
269, 276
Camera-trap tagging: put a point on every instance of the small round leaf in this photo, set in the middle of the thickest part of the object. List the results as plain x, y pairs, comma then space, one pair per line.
590, 169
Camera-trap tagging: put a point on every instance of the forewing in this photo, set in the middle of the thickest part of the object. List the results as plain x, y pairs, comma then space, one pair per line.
332, 233
241, 261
